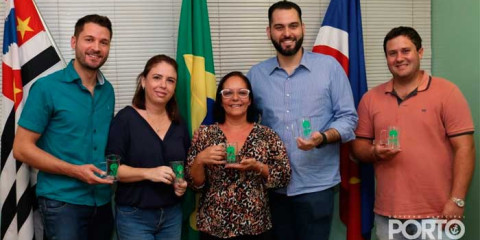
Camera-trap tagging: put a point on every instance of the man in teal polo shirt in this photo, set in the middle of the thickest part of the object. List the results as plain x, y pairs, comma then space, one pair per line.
63, 132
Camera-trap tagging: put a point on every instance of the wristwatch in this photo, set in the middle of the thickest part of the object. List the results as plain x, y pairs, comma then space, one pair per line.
324, 140
460, 202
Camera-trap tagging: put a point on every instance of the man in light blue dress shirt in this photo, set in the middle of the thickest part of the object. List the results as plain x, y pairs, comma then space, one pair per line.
295, 85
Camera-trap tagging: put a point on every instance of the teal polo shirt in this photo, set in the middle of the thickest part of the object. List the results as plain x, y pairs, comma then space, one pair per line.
74, 127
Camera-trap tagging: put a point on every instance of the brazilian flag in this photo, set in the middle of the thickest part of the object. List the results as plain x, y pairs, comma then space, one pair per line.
196, 85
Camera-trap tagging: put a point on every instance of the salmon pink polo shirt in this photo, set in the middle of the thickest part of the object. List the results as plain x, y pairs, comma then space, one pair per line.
417, 182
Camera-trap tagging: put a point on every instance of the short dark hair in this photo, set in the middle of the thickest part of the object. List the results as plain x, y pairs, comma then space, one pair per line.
409, 32
93, 18
139, 96
283, 5
219, 111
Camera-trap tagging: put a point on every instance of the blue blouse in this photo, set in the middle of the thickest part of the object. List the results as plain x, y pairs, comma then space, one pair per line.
136, 142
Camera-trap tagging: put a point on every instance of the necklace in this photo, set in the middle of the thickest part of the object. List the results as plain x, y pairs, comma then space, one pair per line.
157, 129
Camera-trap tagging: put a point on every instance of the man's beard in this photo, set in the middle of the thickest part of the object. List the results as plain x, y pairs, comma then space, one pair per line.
288, 52
81, 58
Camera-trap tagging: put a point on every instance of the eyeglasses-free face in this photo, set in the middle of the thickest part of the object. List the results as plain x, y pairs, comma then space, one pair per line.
228, 93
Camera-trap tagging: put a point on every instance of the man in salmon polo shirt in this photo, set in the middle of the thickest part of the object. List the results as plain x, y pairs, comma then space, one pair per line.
417, 130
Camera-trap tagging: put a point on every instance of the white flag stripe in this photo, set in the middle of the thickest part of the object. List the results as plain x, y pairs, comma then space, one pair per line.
7, 178
7, 107
33, 176
26, 232
27, 51
12, 230
23, 182
11, 58
333, 37
34, 46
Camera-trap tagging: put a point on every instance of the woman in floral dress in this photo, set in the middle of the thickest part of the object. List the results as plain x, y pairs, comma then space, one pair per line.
234, 196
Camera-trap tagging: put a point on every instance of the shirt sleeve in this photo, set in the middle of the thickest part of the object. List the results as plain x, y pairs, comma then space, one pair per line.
344, 114
365, 124
119, 135
38, 108
250, 74
456, 114
277, 160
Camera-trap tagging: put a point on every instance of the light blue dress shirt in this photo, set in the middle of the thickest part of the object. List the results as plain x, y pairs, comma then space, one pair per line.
319, 89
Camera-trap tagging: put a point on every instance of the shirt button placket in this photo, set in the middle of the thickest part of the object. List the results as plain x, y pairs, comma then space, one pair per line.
287, 101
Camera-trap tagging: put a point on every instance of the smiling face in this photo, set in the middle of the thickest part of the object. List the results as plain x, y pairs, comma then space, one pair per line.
403, 59
235, 106
91, 46
160, 83
286, 31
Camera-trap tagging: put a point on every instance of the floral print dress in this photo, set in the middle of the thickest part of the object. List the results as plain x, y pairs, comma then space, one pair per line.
232, 202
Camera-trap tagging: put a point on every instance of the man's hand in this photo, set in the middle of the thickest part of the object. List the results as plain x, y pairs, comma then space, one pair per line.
308, 144
86, 173
452, 211
384, 153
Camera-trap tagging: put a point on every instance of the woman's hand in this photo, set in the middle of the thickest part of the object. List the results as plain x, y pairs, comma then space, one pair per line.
180, 186
162, 174
247, 164
212, 155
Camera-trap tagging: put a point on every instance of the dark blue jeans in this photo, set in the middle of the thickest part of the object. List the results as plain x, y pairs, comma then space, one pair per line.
149, 224
302, 217
65, 221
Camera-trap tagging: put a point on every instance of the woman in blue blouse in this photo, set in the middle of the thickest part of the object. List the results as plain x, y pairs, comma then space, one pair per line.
148, 135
